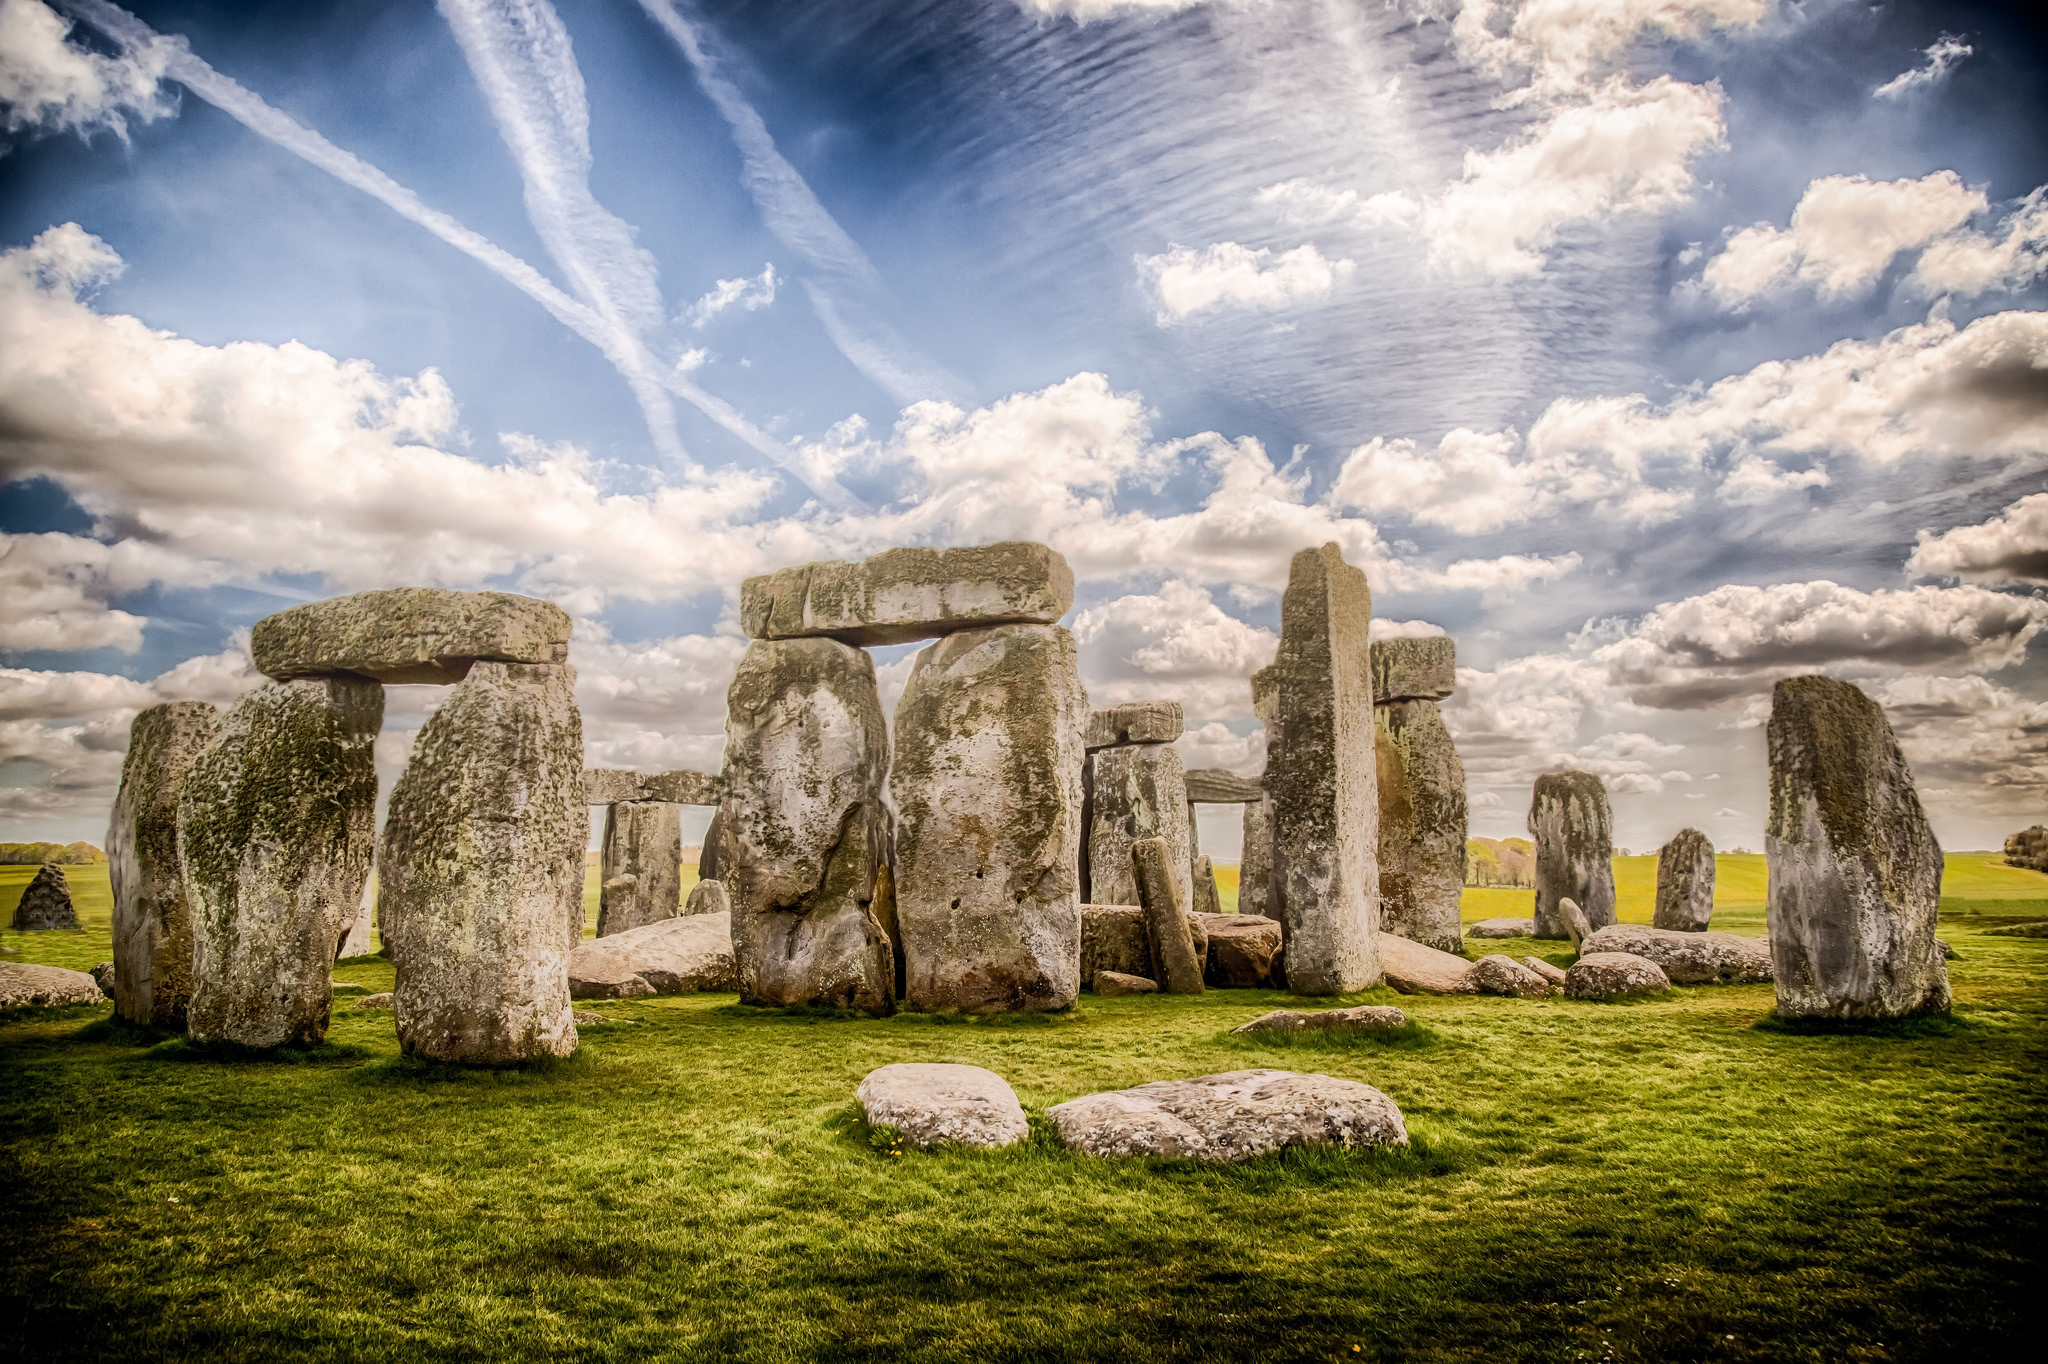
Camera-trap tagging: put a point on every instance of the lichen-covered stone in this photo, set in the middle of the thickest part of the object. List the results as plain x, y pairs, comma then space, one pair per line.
1554, 974
1168, 932
1135, 792
1611, 975
45, 902
672, 957
1243, 950
1207, 899
1113, 939
1499, 975
806, 832
357, 939
1423, 668
708, 867
276, 825
932, 1104
481, 869
409, 634
1422, 822
987, 785
1112, 983
640, 873
1855, 870
683, 787
902, 595
708, 897
1135, 722
1221, 786
1689, 958
1685, 883
152, 920
1574, 920
103, 976
1502, 928
1255, 860
1574, 831
1229, 1117
1364, 1018
1414, 968
1321, 778
26, 985
609, 785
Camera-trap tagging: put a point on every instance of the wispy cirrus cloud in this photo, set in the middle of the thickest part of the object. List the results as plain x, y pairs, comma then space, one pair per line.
1942, 57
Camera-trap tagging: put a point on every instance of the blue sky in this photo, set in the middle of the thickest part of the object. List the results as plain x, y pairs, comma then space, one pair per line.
1654, 349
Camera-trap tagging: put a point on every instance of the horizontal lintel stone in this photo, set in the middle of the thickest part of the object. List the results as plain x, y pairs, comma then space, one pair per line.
1220, 786
1135, 722
1417, 668
409, 634
902, 595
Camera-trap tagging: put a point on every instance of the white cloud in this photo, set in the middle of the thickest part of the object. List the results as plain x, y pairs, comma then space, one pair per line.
1942, 57
53, 595
1217, 745
1560, 45
50, 85
746, 294
1969, 263
1185, 281
1983, 738
1088, 11
1305, 203
1754, 481
2011, 547
1174, 645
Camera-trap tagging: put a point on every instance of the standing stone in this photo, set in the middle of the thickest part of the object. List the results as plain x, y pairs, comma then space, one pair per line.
640, 878
708, 867
987, 783
1255, 864
275, 830
409, 634
1855, 871
1422, 821
806, 832
1321, 778
356, 939
152, 918
1574, 832
45, 902
1113, 939
1138, 791
906, 594
1167, 932
1208, 900
708, 897
1685, 883
481, 869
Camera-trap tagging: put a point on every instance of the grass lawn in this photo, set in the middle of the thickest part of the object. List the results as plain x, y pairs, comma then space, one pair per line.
1663, 1181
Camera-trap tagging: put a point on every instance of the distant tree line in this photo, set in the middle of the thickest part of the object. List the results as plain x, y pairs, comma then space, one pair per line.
64, 854
2028, 848
1505, 862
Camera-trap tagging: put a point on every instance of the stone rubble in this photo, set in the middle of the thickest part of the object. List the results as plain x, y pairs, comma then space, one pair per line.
1413, 968
1499, 975
1111, 983
1244, 952
1502, 928
1612, 975
1554, 974
671, 957
26, 985
1689, 958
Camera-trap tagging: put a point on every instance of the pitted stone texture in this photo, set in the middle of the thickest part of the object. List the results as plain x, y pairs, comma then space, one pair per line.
1243, 951
1221, 786
409, 634
1574, 919
1135, 792
672, 957
1233, 1116
1207, 899
1416, 969
481, 869
386, 1000
357, 939
1113, 939
1610, 975
1855, 871
103, 976
683, 787
708, 897
902, 595
933, 1105
1502, 928
1685, 883
152, 919
640, 876
708, 866
806, 832
987, 784
1422, 822
1364, 1018
24, 985
1499, 975
1423, 668
1135, 722
45, 902
1554, 974
276, 825
1255, 865
1168, 930
1574, 831
1689, 958
1321, 777
608, 785
1111, 983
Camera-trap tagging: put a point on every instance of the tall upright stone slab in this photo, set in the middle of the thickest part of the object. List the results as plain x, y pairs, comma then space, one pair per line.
1322, 780
1136, 791
481, 869
805, 832
987, 785
640, 872
1422, 823
45, 902
276, 824
1855, 872
1574, 831
1255, 860
1685, 883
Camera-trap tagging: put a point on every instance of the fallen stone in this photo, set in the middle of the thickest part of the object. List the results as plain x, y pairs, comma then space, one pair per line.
1423, 822
1364, 1018
640, 877
932, 1104
1243, 949
708, 897
480, 870
45, 902
1255, 865
1135, 792
902, 595
1413, 969
1685, 883
1221, 786
1168, 932
1689, 958
26, 985
387, 1000
1233, 1116
1113, 939
103, 976
1573, 827
276, 825
1554, 974
806, 831
1574, 919
1610, 975
409, 634
1502, 928
152, 919
1111, 983
1416, 668
673, 957
1499, 975
987, 782
609, 785
683, 787
1135, 722
1208, 900
1855, 870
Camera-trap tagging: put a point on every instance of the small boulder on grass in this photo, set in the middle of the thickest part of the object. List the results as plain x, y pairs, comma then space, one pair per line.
26, 984
104, 975
1110, 983
1364, 1018
1227, 1117
1553, 974
46, 902
384, 1001
1416, 968
1499, 975
1502, 928
934, 1104
1613, 975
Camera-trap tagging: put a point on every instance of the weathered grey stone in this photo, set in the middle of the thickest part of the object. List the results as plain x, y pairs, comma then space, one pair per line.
103, 976
670, 957
1574, 831
356, 939
1229, 1117
1135, 722
905, 594
683, 787
45, 902
386, 1000
933, 1104
1499, 975
708, 868
1855, 870
640, 871
409, 634
1113, 939
481, 869
1243, 949
987, 784
1609, 975
24, 985
1135, 792
276, 825
1422, 821
1207, 899
1421, 668
1413, 968
1364, 1018
1502, 928
806, 832
1554, 974
1574, 920
609, 785
708, 897
1322, 781
1167, 929
152, 919
1689, 958
1255, 860
1685, 883
1221, 786
1111, 983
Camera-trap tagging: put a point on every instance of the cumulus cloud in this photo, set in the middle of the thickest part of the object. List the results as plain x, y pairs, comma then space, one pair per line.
2011, 547
1968, 263
1089, 11
53, 595
747, 294
1175, 644
1184, 281
49, 84
1942, 57
1975, 734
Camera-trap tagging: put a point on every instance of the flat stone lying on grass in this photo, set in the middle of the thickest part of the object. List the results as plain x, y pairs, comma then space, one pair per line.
1414, 969
1502, 928
930, 1104
1499, 975
708, 897
673, 957
25, 984
1689, 958
1232, 1116
46, 902
409, 634
904, 594
1242, 951
387, 1000
103, 976
1554, 974
1364, 1018
1610, 975
1111, 983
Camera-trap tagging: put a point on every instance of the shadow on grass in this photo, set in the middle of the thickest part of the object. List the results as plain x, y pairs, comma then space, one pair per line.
1900, 1029
48, 1013
185, 1050
408, 1071
1410, 1036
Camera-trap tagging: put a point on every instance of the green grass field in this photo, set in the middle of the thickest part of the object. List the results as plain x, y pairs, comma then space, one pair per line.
1672, 1180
